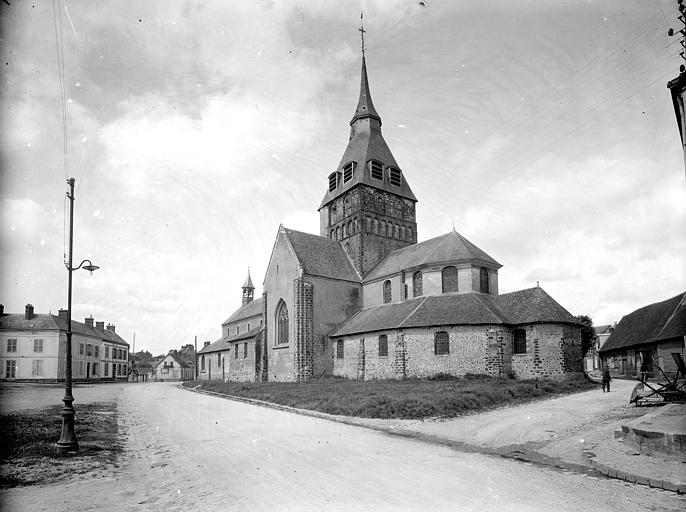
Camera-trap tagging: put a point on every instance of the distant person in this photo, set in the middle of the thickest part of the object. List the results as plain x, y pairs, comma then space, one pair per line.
644, 371
606, 380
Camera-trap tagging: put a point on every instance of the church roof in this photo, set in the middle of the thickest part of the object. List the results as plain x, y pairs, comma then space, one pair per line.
319, 256
366, 143
655, 322
224, 343
522, 307
450, 247
252, 308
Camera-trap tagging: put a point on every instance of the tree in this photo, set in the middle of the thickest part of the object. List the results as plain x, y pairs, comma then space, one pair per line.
587, 333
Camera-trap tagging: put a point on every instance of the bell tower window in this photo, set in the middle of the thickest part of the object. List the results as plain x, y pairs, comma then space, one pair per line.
376, 170
395, 177
348, 171
333, 181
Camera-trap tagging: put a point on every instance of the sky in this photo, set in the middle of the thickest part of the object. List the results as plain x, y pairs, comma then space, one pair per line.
542, 131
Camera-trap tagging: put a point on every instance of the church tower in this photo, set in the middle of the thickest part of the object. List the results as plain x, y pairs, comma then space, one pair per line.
368, 206
248, 290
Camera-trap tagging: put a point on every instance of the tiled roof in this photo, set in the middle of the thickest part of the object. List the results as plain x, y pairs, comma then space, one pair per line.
658, 321
602, 329
532, 305
321, 256
225, 342
523, 307
39, 322
43, 322
252, 308
451, 247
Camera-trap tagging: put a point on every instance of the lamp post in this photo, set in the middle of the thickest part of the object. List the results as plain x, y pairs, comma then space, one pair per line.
67, 442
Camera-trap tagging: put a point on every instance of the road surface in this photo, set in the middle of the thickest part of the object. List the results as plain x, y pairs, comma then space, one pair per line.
187, 451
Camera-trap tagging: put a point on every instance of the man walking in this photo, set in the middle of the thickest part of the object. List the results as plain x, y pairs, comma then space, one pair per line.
606, 380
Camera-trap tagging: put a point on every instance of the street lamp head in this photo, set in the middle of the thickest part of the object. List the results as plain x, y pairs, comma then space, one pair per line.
90, 268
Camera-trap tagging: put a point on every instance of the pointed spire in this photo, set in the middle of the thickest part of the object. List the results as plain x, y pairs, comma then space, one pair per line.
365, 107
248, 281
248, 289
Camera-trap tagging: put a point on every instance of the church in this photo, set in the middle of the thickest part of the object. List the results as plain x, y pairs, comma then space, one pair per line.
365, 300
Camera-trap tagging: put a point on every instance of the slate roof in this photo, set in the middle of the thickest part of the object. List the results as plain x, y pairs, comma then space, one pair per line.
252, 308
367, 144
602, 329
323, 257
450, 247
43, 322
532, 305
182, 361
655, 322
225, 342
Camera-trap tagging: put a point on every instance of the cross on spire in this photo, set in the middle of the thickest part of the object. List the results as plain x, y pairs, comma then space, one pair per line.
362, 30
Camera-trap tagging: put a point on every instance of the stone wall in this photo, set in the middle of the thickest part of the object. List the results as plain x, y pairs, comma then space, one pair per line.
551, 350
369, 223
241, 369
484, 349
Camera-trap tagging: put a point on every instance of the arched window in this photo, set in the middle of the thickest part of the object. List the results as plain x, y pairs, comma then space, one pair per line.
383, 228
417, 285
202, 363
409, 235
449, 279
387, 292
519, 341
338, 233
483, 278
351, 228
383, 346
369, 224
402, 232
441, 343
397, 232
376, 226
340, 349
344, 231
332, 235
282, 324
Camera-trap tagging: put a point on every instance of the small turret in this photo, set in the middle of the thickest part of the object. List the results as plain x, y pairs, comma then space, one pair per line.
248, 290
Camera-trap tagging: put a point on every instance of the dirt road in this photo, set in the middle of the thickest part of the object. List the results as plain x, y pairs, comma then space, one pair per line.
195, 452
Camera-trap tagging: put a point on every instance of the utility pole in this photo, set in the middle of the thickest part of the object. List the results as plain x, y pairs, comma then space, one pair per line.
196, 358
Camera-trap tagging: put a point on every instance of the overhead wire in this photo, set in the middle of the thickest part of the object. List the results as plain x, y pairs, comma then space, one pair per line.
59, 46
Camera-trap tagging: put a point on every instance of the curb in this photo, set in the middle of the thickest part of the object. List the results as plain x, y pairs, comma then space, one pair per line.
601, 468
635, 479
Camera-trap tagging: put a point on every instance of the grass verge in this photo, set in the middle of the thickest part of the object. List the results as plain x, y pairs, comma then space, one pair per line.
28, 456
406, 399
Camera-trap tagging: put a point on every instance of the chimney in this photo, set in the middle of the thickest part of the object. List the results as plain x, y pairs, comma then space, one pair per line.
29, 312
100, 326
110, 327
206, 343
89, 322
63, 313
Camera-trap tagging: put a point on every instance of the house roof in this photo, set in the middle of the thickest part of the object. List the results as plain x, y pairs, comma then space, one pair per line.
532, 305
366, 143
43, 322
602, 329
451, 247
225, 342
252, 308
655, 322
319, 256
182, 361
